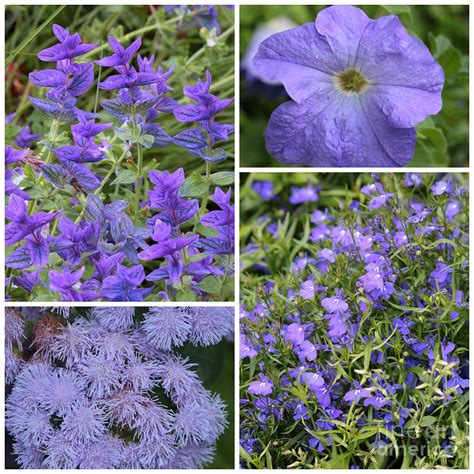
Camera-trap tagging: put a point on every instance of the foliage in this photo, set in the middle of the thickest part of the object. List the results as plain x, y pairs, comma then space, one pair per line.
354, 323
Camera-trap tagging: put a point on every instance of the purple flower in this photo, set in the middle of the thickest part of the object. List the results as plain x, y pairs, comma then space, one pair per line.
377, 400
335, 304
379, 201
69, 46
21, 223
167, 327
25, 138
307, 290
294, 333
124, 285
441, 187
261, 387
301, 195
358, 88
264, 189
356, 394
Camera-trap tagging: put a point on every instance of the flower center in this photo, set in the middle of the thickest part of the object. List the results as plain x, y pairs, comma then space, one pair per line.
351, 81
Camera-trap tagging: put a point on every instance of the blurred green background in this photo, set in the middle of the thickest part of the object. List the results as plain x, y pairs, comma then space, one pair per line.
443, 140
173, 37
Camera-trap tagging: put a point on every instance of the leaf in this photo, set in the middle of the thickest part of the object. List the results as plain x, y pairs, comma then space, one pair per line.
435, 136
125, 177
367, 354
194, 186
185, 295
223, 178
447, 55
143, 105
428, 421
116, 107
210, 285
399, 10
219, 154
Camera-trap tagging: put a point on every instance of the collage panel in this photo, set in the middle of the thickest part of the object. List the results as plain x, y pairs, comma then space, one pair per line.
345, 86
354, 332
119, 387
120, 153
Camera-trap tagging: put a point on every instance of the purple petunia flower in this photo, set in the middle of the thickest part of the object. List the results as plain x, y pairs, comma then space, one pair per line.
358, 87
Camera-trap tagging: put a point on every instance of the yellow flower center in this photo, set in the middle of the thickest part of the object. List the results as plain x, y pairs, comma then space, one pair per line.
351, 81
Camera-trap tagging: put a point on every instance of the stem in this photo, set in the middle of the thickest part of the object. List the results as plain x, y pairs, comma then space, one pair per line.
52, 137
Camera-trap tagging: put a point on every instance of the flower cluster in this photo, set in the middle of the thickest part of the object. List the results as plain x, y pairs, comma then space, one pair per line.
354, 323
109, 390
70, 235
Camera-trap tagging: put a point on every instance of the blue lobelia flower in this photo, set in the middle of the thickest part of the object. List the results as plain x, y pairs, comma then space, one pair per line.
358, 88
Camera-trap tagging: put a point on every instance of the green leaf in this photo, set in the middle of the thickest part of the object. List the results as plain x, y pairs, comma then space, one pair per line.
428, 421
367, 354
223, 178
210, 285
403, 11
435, 136
125, 177
447, 55
194, 186
185, 295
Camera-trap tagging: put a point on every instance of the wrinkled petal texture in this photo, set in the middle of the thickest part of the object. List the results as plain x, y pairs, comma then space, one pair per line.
324, 126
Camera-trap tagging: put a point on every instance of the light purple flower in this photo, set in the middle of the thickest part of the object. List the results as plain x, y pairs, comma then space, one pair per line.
358, 88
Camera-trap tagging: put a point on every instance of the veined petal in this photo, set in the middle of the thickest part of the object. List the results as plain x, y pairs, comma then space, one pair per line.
300, 58
344, 131
402, 72
342, 27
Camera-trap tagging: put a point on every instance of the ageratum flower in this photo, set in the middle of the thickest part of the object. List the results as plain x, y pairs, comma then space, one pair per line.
358, 88
94, 397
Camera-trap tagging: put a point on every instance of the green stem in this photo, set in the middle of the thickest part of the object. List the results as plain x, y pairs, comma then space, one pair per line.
52, 137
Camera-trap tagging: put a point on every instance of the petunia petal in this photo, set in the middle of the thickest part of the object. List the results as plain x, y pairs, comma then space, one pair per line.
342, 27
299, 58
406, 78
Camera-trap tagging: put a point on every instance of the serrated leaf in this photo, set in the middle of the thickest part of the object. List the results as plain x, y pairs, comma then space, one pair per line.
210, 284
194, 186
125, 177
